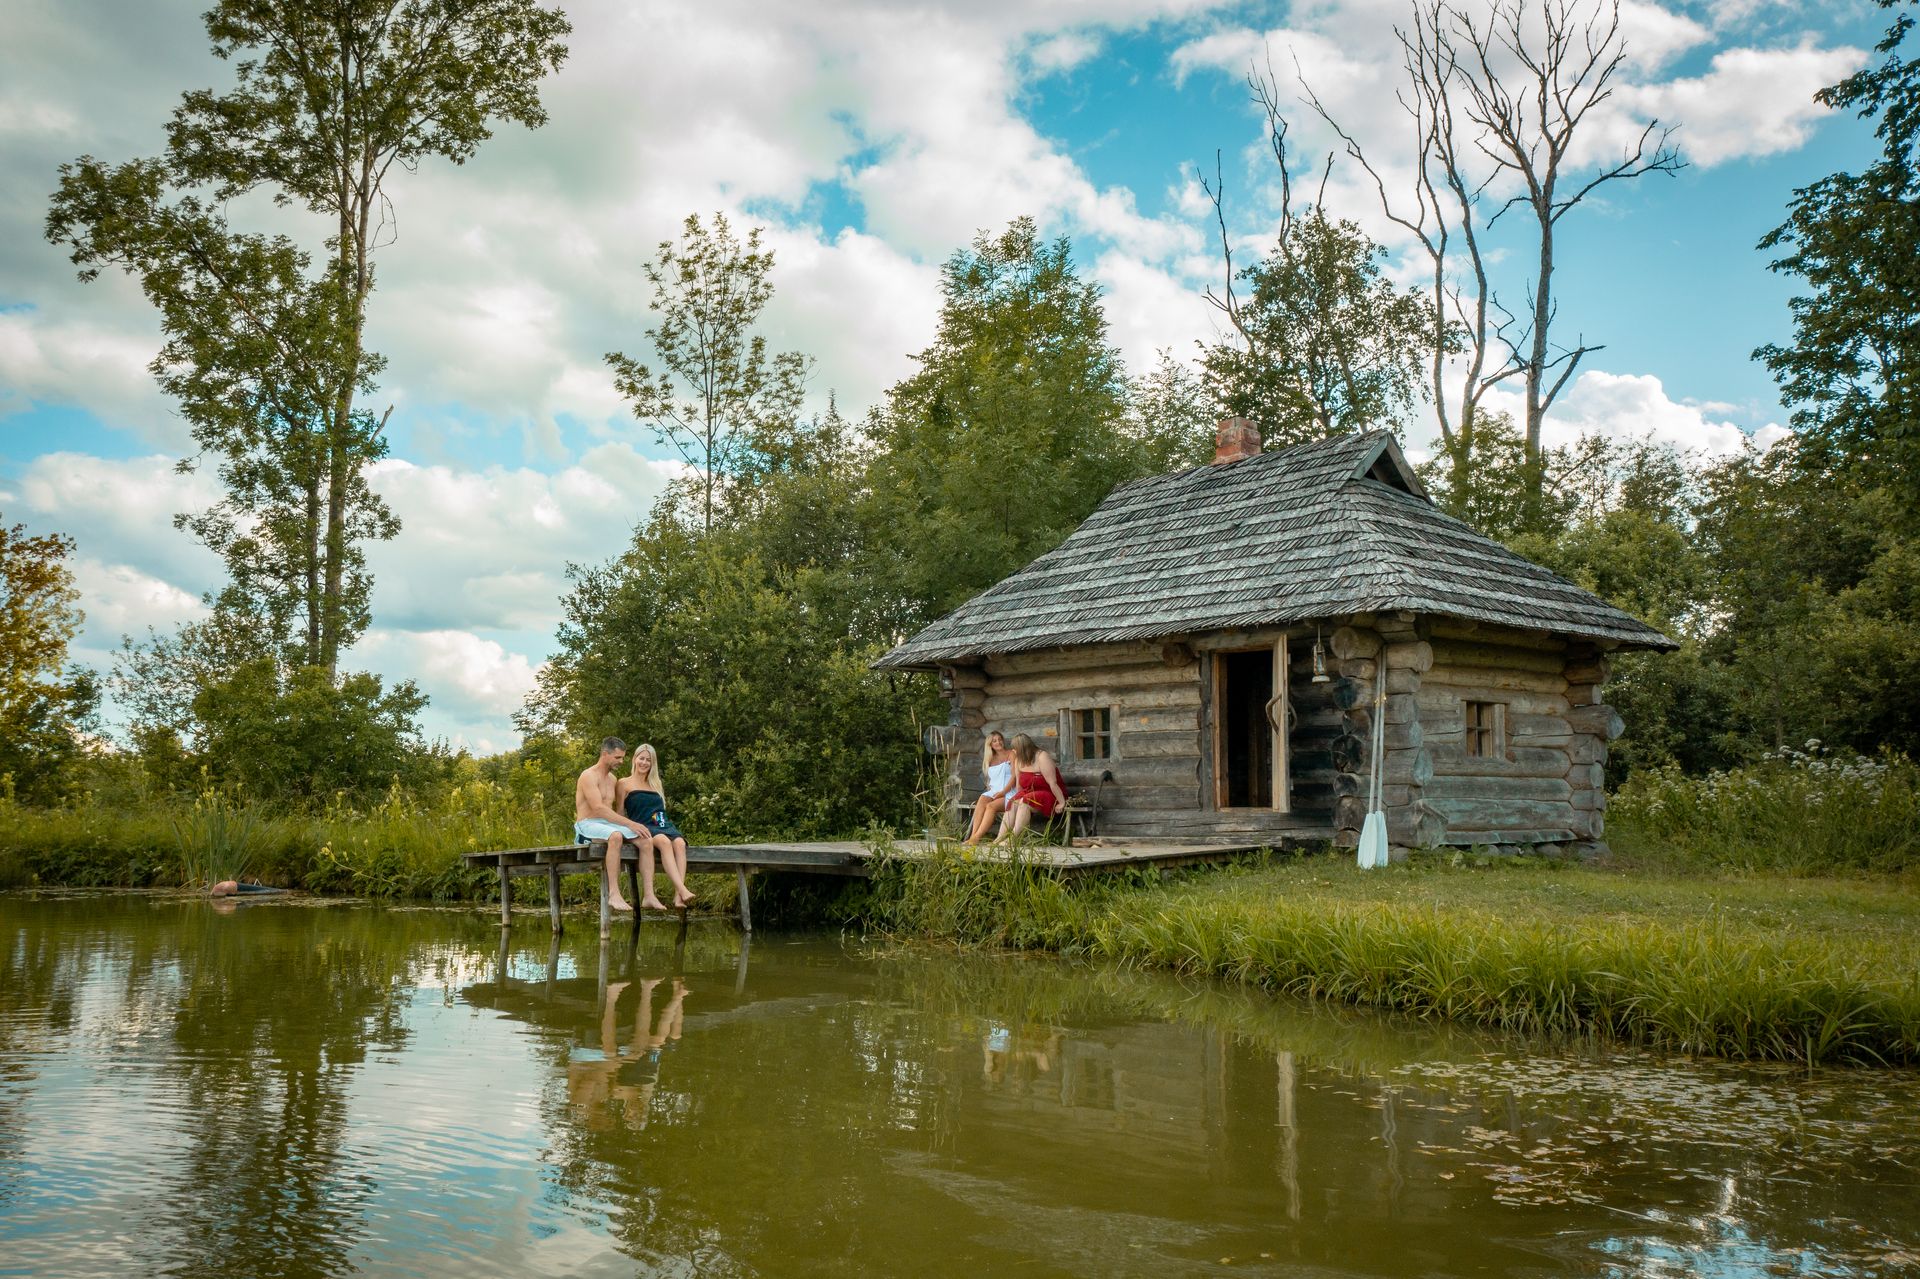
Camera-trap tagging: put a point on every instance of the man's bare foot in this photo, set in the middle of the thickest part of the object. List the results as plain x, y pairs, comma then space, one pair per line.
652, 903
617, 902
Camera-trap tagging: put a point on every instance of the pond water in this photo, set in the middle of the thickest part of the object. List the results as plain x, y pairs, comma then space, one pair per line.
297, 1088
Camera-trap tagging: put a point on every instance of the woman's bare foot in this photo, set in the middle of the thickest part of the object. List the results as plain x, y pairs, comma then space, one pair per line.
683, 899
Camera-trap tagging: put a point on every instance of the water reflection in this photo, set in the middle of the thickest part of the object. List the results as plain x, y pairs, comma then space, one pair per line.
306, 1091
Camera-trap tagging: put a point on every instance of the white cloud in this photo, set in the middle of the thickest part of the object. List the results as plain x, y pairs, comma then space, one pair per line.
101, 367
490, 548
1062, 52
1637, 406
475, 684
1752, 102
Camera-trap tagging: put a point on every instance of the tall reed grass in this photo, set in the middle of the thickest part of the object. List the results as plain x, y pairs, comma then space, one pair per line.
406, 846
1797, 810
1695, 985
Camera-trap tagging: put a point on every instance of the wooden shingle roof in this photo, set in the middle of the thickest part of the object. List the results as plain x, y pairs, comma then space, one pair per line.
1318, 531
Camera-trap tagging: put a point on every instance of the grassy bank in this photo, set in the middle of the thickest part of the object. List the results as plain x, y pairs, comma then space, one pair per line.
1766, 967
407, 846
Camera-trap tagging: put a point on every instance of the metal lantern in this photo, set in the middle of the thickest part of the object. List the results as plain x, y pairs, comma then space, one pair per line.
1320, 675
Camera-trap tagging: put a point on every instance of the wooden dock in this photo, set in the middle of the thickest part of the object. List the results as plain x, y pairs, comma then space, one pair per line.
846, 858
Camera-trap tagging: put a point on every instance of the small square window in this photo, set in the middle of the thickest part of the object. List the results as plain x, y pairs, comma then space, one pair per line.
1486, 729
1092, 732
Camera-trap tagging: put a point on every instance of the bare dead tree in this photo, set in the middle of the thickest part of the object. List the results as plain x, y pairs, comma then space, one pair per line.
1442, 215
1494, 104
1528, 131
1329, 343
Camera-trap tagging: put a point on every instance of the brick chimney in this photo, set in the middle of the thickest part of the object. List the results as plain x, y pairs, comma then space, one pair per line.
1237, 439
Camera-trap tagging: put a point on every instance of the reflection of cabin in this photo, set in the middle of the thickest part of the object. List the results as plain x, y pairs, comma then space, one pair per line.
1217, 639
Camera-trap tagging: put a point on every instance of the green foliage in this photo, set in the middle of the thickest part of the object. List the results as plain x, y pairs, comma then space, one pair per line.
720, 398
1327, 344
215, 839
1807, 811
265, 354
301, 734
1853, 369
45, 707
1011, 432
746, 680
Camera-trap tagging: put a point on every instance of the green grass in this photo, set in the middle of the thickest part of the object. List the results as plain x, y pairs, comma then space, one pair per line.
1810, 811
1746, 966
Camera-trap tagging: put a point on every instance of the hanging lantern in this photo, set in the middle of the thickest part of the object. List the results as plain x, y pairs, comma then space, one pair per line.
1320, 675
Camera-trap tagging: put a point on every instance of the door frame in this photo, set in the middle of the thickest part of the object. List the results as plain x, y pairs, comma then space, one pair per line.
1217, 730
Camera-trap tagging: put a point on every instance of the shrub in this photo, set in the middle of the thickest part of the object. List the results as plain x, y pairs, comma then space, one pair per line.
1802, 810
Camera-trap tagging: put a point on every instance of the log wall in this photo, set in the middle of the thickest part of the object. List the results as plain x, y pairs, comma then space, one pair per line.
1546, 783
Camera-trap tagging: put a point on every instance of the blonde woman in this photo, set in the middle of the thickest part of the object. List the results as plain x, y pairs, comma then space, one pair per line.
1036, 787
643, 801
996, 761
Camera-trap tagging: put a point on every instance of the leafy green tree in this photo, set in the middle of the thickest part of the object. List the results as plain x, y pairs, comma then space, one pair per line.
1326, 343
767, 719
46, 708
1011, 431
295, 735
215, 700
1173, 412
266, 356
720, 397
1852, 371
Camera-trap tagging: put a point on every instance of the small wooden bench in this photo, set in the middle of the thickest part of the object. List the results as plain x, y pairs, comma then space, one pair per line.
1081, 816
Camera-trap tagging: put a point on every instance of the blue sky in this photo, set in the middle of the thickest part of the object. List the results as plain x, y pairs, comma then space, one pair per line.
870, 139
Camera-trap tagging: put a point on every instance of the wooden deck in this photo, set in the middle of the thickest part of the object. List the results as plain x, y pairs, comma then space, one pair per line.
848, 858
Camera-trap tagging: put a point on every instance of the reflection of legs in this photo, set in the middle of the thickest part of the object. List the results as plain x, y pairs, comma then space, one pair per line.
1019, 816
648, 901
672, 1017
614, 899
610, 1037
984, 812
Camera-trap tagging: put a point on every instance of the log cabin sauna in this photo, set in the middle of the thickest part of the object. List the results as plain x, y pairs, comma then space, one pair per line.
1218, 641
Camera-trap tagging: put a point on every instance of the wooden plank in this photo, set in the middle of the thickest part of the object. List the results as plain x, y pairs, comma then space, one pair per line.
1488, 634
1440, 704
1477, 814
1498, 789
1033, 706
1155, 674
1451, 760
1472, 681
1545, 835
1140, 744
1079, 657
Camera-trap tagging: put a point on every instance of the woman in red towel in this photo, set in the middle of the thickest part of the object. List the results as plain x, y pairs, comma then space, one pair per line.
1036, 787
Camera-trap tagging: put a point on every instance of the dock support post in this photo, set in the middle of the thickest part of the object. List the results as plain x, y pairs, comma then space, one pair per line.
506, 896
633, 879
606, 904
553, 895
746, 902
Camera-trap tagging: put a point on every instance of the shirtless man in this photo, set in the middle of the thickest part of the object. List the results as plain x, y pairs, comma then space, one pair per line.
594, 818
